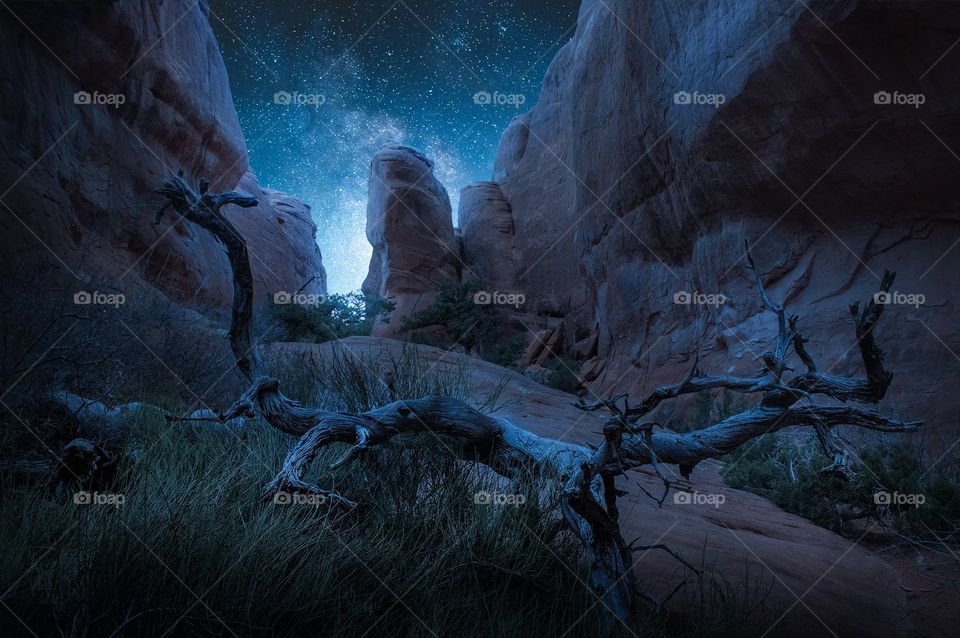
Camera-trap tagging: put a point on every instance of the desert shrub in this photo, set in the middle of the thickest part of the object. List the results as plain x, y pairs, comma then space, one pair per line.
703, 409
709, 407
785, 468
452, 319
335, 317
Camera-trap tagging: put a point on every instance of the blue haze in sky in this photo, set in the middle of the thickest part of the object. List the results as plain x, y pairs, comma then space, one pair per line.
377, 72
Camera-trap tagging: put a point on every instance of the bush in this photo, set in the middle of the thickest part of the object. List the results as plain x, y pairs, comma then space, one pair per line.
710, 407
786, 470
336, 317
452, 319
508, 351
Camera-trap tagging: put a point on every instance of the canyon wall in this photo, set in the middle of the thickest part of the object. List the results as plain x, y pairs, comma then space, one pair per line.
667, 134
100, 100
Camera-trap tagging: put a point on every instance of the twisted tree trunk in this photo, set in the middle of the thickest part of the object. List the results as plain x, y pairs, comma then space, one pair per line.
588, 498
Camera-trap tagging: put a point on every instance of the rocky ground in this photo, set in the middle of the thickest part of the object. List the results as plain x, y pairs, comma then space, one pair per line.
809, 581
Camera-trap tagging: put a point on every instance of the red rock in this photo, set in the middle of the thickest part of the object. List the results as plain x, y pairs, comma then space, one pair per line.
410, 226
78, 178
487, 236
591, 369
623, 195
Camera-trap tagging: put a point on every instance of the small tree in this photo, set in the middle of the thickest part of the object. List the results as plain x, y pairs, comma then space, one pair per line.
456, 316
335, 317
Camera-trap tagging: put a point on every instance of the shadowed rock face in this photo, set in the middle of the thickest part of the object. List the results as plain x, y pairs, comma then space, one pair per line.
630, 182
80, 165
410, 226
487, 236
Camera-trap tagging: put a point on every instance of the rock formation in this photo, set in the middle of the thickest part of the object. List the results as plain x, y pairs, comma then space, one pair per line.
101, 100
410, 226
487, 236
666, 134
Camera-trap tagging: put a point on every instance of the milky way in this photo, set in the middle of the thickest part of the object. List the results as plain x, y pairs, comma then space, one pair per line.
319, 86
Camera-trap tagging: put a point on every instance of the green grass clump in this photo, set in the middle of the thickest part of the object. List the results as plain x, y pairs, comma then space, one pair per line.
193, 545
194, 548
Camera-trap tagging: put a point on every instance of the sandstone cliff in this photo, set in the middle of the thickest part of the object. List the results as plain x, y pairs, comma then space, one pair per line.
667, 133
99, 101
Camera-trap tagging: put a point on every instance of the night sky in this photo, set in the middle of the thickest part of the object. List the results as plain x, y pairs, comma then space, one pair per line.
385, 71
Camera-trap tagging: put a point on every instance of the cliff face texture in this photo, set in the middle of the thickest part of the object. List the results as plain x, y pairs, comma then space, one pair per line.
487, 233
667, 134
99, 101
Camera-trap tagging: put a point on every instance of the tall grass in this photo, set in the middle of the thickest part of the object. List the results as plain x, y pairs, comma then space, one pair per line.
355, 381
194, 550
194, 545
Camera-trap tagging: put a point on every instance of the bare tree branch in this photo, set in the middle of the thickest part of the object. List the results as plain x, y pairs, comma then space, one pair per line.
203, 209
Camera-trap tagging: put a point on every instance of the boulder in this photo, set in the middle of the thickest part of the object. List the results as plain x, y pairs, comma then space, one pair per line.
590, 370
544, 345
410, 226
587, 346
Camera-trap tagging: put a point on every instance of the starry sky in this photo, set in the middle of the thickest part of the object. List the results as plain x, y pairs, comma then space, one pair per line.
372, 72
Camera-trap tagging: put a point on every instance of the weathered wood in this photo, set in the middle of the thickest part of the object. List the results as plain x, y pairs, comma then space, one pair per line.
588, 497
203, 209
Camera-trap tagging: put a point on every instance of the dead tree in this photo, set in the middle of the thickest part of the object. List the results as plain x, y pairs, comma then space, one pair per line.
588, 498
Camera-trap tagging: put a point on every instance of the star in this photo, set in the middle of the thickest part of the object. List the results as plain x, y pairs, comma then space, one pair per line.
365, 83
